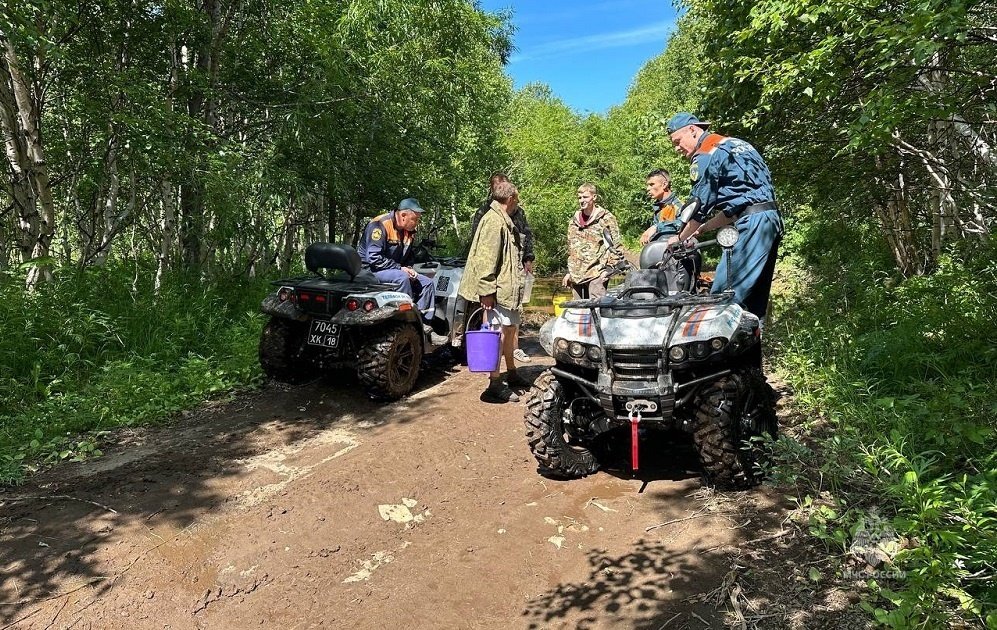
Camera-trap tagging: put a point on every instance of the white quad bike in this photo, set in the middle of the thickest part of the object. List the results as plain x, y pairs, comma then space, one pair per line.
655, 351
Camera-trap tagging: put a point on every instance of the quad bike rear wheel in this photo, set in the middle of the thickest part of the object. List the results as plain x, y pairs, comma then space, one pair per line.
734, 409
281, 347
545, 430
388, 364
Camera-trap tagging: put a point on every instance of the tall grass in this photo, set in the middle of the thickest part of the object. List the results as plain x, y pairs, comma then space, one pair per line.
85, 353
906, 373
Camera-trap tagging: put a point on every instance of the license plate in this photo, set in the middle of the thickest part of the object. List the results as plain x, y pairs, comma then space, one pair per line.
323, 333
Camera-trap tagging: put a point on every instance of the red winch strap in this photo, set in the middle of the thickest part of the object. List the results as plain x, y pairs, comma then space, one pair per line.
634, 439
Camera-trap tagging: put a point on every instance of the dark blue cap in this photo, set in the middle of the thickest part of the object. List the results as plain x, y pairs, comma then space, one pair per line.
684, 119
410, 204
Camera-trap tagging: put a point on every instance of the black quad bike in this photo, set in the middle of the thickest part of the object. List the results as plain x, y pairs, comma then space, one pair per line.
341, 316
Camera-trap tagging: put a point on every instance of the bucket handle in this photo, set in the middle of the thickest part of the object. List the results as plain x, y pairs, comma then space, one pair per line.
484, 317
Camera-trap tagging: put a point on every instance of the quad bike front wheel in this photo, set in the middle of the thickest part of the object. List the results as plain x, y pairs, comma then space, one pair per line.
388, 364
281, 344
735, 409
551, 444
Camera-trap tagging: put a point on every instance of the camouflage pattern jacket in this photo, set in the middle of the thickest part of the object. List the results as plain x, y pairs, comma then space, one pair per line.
587, 251
518, 219
494, 264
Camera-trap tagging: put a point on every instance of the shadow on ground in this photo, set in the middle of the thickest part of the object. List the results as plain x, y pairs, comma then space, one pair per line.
54, 528
640, 589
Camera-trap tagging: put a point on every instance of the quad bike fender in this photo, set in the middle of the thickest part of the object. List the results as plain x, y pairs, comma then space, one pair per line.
575, 324
391, 305
286, 310
706, 322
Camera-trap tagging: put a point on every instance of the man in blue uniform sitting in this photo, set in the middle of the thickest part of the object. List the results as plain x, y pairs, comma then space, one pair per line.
386, 250
666, 205
731, 181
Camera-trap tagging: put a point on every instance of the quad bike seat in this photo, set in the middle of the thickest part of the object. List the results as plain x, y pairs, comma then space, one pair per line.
654, 279
337, 256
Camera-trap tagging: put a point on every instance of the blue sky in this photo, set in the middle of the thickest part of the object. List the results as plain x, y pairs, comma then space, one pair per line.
587, 51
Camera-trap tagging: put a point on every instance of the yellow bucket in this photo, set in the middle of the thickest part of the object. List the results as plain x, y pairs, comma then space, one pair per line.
558, 300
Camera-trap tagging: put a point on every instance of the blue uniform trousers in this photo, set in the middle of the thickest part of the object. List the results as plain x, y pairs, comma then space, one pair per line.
753, 261
420, 288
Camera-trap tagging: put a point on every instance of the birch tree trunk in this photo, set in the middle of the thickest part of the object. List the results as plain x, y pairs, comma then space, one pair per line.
333, 217
109, 225
38, 210
167, 232
290, 228
19, 185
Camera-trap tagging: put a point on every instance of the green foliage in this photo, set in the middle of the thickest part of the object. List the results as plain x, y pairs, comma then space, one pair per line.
553, 150
904, 372
878, 108
85, 354
547, 142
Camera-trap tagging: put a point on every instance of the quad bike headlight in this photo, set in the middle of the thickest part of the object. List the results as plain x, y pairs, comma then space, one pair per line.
717, 343
728, 236
676, 353
576, 352
700, 350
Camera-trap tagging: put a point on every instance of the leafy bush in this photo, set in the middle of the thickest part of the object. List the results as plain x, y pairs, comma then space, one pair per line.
906, 373
85, 353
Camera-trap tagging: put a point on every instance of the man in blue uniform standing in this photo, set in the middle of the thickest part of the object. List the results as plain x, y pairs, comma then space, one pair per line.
731, 181
386, 250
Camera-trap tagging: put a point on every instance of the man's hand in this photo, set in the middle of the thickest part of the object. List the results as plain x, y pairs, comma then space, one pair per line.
528, 266
645, 238
488, 302
671, 241
566, 281
410, 271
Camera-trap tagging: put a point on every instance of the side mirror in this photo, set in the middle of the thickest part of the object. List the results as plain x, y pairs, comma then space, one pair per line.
607, 238
728, 236
688, 210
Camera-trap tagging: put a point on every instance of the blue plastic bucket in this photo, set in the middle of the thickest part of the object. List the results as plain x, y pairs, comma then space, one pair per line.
483, 347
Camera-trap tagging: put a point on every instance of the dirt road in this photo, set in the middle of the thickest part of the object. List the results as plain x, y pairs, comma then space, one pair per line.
311, 507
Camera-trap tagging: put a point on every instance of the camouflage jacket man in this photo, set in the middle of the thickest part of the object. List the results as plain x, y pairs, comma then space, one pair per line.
384, 246
588, 254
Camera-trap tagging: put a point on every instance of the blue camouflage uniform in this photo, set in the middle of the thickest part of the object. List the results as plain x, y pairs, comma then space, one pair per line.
384, 250
729, 175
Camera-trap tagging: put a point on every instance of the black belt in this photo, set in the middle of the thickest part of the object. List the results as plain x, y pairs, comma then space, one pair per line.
758, 207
